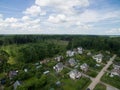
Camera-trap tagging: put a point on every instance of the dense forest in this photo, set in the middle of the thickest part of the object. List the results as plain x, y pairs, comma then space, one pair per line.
30, 48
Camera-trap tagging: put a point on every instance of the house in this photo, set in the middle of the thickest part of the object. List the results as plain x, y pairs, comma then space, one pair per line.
25, 70
97, 65
58, 83
16, 84
59, 58
46, 72
58, 67
72, 62
116, 65
74, 74
84, 67
39, 66
44, 61
75, 51
70, 53
11, 74
89, 53
116, 70
98, 58
80, 50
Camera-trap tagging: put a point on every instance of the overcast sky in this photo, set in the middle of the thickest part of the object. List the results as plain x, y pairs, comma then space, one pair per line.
98, 17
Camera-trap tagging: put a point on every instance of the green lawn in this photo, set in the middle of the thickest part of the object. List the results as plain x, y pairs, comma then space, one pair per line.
80, 84
114, 81
91, 73
100, 87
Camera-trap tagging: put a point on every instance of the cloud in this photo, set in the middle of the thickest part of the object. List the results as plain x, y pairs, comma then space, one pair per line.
61, 5
84, 26
33, 10
92, 16
11, 20
25, 18
57, 19
113, 31
60, 17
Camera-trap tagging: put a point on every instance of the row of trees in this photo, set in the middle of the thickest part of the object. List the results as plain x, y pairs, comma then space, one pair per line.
22, 39
97, 43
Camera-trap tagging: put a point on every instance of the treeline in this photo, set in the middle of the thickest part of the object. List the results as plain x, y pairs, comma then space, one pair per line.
23, 39
96, 42
29, 48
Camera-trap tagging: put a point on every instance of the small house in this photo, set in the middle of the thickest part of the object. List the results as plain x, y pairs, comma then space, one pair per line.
46, 72
16, 84
25, 70
116, 65
80, 50
58, 67
59, 58
98, 58
116, 70
58, 83
70, 53
72, 62
89, 54
11, 74
84, 67
44, 61
74, 74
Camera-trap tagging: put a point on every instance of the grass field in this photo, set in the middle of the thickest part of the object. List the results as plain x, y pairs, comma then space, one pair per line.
100, 87
80, 84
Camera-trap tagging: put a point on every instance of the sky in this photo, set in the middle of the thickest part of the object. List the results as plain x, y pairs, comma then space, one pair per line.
86, 17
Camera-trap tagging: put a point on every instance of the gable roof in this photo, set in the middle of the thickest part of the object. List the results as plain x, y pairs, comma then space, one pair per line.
59, 65
16, 84
75, 74
72, 61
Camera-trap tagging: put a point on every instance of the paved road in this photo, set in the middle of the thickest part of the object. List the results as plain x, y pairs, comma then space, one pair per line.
101, 73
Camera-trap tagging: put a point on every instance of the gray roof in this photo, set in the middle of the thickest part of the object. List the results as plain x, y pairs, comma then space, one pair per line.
72, 61
59, 65
98, 56
16, 84
12, 74
117, 71
85, 65
75, 71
